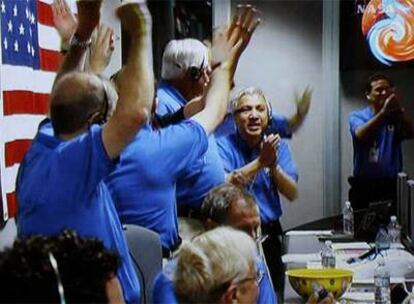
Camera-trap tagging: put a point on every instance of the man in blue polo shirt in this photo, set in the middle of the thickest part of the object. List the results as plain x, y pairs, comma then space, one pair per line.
185, 75
225, 205
143, 186
60, 182
264, 166
284, 126
377, 133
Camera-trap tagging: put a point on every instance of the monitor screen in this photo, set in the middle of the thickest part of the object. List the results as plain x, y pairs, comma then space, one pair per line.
376, 34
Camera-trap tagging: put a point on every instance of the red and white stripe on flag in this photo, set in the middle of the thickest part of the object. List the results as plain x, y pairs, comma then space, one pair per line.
30, 57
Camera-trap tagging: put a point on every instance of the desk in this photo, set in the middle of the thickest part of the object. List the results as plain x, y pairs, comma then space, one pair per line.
310, 244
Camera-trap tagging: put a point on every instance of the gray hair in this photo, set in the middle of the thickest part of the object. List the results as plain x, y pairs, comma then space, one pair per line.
217, 202
250, 91
180, 55
211, 262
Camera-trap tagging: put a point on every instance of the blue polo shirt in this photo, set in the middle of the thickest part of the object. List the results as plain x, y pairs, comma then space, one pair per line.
236, 153
267, 294
203, 174
279, 124
163, 291
143, 184
382, 157
60, 186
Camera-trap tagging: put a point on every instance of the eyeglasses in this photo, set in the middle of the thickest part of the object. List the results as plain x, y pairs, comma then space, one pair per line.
258, 278
259, 238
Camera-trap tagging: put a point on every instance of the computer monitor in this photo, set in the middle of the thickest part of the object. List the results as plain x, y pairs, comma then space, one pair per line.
378, 213
410, 203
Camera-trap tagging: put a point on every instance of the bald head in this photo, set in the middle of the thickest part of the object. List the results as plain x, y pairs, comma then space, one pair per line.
77, 99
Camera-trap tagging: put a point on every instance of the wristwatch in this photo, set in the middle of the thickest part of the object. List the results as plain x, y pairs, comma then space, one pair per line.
74, 41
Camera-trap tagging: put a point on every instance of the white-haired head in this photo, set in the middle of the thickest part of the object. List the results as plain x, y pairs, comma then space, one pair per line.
211, 262
181, 55
249, 91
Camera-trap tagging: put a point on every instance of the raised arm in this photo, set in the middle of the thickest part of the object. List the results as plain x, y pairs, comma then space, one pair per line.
101, 49
88, 19
228, 45
64, 22
303, 103
135, 82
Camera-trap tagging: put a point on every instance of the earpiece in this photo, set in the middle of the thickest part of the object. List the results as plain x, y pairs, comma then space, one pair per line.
269, 113
195, 73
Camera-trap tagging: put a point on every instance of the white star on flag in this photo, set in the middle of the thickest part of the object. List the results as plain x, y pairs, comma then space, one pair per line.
16, 46
21, 29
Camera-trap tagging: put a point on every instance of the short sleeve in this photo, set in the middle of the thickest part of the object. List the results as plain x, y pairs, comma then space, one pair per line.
225, 149
356, 120
162, 108
227, 127
280, 125
183, 145
84, 161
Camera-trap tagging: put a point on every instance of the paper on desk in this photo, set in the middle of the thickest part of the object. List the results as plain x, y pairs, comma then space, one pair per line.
350, 245
300, 257
370, 281
399, 262
309, 232
359, 296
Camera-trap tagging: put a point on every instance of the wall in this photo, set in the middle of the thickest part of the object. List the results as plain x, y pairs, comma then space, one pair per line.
285, 55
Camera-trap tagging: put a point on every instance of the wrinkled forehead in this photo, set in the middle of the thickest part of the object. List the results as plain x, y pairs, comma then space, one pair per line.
252, 100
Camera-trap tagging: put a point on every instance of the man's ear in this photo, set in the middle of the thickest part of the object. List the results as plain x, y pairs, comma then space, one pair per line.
230, 296
95, 118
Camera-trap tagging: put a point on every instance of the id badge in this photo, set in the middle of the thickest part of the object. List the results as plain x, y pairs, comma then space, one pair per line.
373, 155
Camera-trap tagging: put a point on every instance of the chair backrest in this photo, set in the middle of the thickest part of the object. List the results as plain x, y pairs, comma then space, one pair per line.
145, 251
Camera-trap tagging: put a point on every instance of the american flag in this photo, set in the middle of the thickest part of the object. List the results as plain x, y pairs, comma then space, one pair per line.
30, 57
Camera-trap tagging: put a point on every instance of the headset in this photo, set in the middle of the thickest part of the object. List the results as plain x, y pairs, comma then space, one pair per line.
194, 72
103, 112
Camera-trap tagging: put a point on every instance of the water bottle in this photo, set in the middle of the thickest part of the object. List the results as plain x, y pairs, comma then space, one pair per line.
382, 283
348, 219
382, 240
328, 256
394, 232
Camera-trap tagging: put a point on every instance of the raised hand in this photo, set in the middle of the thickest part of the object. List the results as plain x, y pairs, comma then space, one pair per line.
135, 17
391, 105
268, 151
88, 17
248, 20
303, 102
229, 42
63, 19
101, 49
